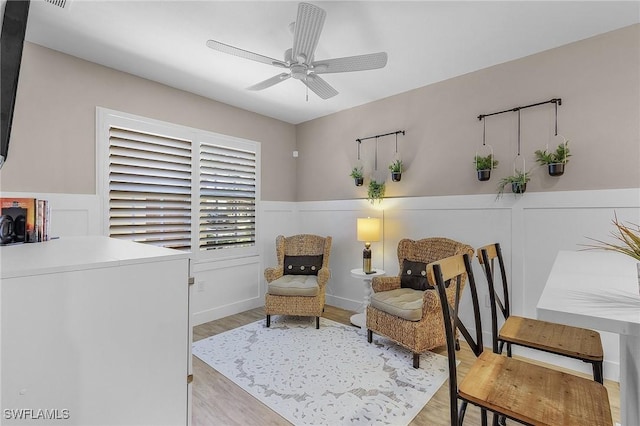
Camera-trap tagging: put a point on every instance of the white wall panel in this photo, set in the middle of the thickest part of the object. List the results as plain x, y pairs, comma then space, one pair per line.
225, 287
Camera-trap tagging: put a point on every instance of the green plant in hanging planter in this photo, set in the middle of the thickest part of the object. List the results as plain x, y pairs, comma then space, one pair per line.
375, 191
356, 174
554, 160
484, 165
396, 170
518, 182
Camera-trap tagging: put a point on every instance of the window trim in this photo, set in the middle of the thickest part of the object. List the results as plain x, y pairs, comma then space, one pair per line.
105, 118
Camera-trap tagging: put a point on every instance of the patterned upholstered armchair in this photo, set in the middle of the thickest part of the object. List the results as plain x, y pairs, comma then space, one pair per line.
406, 308
297, 285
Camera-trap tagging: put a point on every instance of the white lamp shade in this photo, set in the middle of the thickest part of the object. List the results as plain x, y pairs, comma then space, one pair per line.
368, 229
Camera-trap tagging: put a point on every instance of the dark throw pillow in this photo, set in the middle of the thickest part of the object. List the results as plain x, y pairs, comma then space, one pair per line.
302, 265
414, 275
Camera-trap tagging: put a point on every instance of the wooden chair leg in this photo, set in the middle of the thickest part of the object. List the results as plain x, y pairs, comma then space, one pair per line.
268, 321
317, 323
416, 360
457, 344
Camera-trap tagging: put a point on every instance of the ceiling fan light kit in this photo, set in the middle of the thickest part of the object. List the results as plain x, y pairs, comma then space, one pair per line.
299, 59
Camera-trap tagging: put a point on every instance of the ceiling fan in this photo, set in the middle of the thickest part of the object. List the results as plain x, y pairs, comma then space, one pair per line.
300, 61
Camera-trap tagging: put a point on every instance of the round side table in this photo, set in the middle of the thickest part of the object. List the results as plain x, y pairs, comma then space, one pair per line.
360, 319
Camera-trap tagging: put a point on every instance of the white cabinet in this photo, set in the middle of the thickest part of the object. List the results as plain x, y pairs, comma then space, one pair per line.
95, 331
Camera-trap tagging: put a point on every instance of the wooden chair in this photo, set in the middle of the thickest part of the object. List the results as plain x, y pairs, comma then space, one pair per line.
297, 285
403, 308
509, 387
572, 342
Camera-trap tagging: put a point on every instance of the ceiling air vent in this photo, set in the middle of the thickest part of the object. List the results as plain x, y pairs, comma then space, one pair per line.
64, 4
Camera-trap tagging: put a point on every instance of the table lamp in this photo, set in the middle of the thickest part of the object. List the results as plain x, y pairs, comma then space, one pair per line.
368, 230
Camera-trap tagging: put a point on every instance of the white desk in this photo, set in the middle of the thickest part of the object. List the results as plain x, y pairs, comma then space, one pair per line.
599, 290
360, 319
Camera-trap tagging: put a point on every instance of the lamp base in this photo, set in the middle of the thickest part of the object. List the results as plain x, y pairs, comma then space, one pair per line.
366, 259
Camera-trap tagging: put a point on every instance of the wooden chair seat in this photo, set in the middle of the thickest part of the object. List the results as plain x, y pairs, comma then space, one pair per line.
535, 395
574, 342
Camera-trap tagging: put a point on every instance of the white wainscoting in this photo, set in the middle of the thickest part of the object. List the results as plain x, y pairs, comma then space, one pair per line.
225, 287
531, 229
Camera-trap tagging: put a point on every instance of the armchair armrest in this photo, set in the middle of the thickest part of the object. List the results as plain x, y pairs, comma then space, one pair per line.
272, 274
323, 276
385, 283
431, 300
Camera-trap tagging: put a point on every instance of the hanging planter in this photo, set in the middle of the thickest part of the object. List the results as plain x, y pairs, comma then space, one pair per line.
555, 161
396, 167
396, 170
518, 182
356, 174
375, 191
484, 165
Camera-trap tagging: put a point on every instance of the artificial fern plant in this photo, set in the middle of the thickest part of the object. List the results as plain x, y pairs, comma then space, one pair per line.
560, 155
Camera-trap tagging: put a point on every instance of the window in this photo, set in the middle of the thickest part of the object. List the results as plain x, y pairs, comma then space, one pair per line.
177, 187
227, 197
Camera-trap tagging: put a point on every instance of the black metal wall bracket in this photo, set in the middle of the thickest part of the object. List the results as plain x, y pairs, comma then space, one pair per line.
359, 140
556, 101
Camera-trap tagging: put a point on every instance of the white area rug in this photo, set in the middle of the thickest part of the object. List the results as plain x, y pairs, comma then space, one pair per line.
330, 376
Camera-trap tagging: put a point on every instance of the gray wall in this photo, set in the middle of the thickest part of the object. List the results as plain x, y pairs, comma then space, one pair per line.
598, 80
53, 138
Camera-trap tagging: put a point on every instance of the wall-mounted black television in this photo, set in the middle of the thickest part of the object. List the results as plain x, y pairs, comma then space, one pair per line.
14, 26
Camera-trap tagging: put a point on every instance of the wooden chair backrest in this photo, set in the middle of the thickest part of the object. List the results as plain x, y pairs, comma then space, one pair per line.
487, 256
453, 269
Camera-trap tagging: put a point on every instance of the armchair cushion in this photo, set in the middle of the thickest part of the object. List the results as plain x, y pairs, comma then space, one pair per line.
405, 303
302, 265
294, 285
414, 275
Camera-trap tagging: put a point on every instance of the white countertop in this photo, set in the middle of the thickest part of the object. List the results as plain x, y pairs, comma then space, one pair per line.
77, 253
593, 289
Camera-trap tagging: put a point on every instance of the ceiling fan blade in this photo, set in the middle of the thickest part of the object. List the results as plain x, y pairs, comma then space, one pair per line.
319, 86
270, 81
370, 61
225, 48
307, 31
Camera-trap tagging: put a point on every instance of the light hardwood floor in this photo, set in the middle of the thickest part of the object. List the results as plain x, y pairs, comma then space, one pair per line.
218, 401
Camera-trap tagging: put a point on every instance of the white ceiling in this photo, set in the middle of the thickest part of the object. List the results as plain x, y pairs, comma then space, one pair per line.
426, 41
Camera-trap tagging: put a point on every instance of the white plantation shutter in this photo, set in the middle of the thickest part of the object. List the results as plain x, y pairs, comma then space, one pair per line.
227, 196
149, 188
